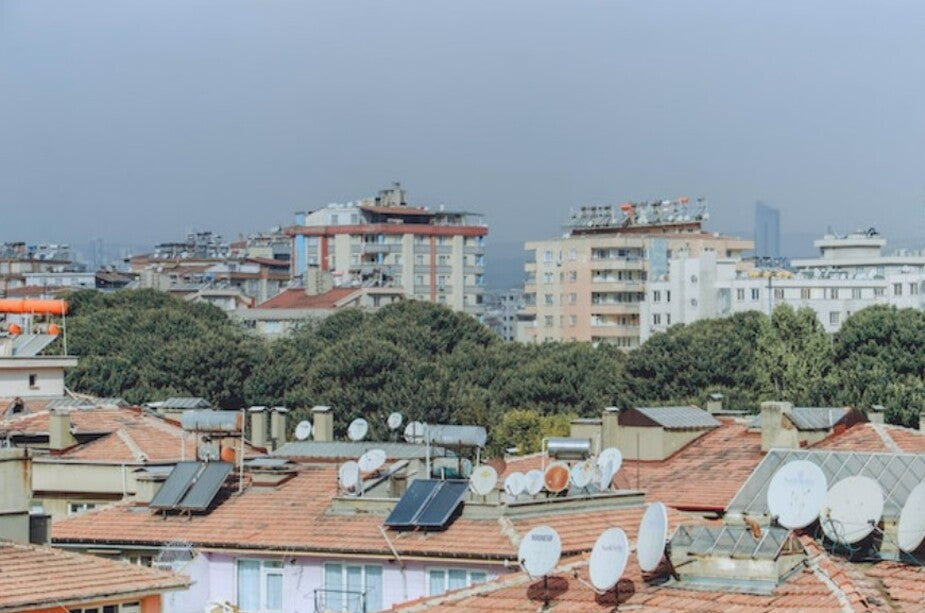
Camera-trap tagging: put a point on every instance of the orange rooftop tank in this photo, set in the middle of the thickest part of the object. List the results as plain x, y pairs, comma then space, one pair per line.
38, 307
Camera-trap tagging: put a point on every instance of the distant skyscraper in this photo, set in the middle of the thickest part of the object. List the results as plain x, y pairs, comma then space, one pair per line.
767, 231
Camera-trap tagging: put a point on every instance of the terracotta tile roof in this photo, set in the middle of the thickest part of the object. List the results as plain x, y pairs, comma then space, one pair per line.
296, 298
825, 586
36, 577
296, 516
875, 437
904, 583
29, 291
703, 476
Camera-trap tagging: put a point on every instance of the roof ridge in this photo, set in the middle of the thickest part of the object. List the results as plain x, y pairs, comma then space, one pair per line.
887, 439
133, 447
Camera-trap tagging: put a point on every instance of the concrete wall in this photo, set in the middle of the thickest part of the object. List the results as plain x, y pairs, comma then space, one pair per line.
15, 494
149, 604
648, 443
15, 381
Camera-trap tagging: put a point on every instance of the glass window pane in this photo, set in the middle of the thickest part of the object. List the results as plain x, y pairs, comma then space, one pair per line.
249, 585
373, 588
355, 588
457, 579
333, 584
274, 594
478, 577
437, 582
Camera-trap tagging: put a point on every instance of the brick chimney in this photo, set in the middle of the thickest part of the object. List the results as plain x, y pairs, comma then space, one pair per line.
609, 427
278, 426
59, 430
776, 428
323, 423
258, 426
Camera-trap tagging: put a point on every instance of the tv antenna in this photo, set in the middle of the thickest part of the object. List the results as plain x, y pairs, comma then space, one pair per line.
414, 432
174, 555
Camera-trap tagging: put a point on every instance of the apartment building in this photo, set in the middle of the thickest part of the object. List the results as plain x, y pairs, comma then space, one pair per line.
851, 273
590, 284
433, 255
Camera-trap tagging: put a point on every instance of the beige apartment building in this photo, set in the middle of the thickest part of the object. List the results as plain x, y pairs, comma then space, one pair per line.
589, 284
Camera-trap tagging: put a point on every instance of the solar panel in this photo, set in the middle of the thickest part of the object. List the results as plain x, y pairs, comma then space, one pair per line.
410, 504
442, 504
175, 486
207, 484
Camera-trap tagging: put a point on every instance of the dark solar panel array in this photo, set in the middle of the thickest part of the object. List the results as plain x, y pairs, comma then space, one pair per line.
206, 487
427, 503
176, 485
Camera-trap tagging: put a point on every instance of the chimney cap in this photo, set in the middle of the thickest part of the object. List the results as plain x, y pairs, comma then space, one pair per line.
281, 409
321, 409
257, 409
716, 396
877, 407
611, 409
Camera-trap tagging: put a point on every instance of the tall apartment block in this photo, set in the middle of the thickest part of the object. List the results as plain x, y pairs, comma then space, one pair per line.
767, 232
431, 254
588, 285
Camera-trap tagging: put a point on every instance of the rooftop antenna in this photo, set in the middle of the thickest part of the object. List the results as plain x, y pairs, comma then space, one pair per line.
796, 494
357, 429
303, 430
653, 536
483, 480
539, 554
414, 432
174, 555
852, 509
911, 526
608, 559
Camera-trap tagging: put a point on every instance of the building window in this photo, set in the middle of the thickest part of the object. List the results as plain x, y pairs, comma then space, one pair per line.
440, 580
804, 293
897, 289
572, 298
346, 584
74, 508
547, 277
547, 299
778, 293
693, 278
756, 293
572, 320
33, 382
547, 257
833, 293
125, 607
549, 321
913, 289
668, 296
572, 276
657, 296
667, 319
834, 317
879, 291
693, 302
856, 293
260, 585
656, 319
740, 294
572, 255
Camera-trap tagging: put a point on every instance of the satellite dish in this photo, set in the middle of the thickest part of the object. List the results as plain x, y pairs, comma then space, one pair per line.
515, 484
556, 477
911, 527
208, 452
371, 460
796, 494
613, 455
303, 430
534, 481
539, 551
653, 531
582, 473
357, 429
394, 421
483, 479
607, 475
414, 432
608, 559
348, 475
852, 509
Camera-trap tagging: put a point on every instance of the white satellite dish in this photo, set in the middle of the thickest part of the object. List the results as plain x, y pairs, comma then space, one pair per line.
348, 475
611, 454
303, 430
357, 429
372, 460
608, 559
207, 452
534, 479
515, 484
483, 480
394, 421
653, 531
539, 551
852, 509
911, 526
582, 474
607, 474
796, 494
414, 432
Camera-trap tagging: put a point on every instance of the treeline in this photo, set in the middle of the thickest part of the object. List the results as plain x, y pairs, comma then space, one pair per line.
436, 365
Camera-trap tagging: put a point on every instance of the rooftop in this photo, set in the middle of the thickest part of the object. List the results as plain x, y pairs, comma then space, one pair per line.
673, 418
35, 577
296, 298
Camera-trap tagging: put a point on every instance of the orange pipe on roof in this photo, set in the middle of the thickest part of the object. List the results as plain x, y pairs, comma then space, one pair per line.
28, 306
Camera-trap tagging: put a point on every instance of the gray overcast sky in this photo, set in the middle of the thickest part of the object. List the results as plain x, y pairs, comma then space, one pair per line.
137, 120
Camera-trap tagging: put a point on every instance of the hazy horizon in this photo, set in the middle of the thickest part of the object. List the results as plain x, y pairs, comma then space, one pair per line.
136, 122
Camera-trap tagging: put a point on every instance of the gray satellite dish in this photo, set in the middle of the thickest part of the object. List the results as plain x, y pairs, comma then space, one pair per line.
612, 455
414, 432
534, 479
539, 551
372, 460
852, 509
796, 494
607, 474
911, 526
515, 484
582, 473
357, 429
483, 479
394, 421
303, 430
608, 559
653, 532
207, 452
348, 475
